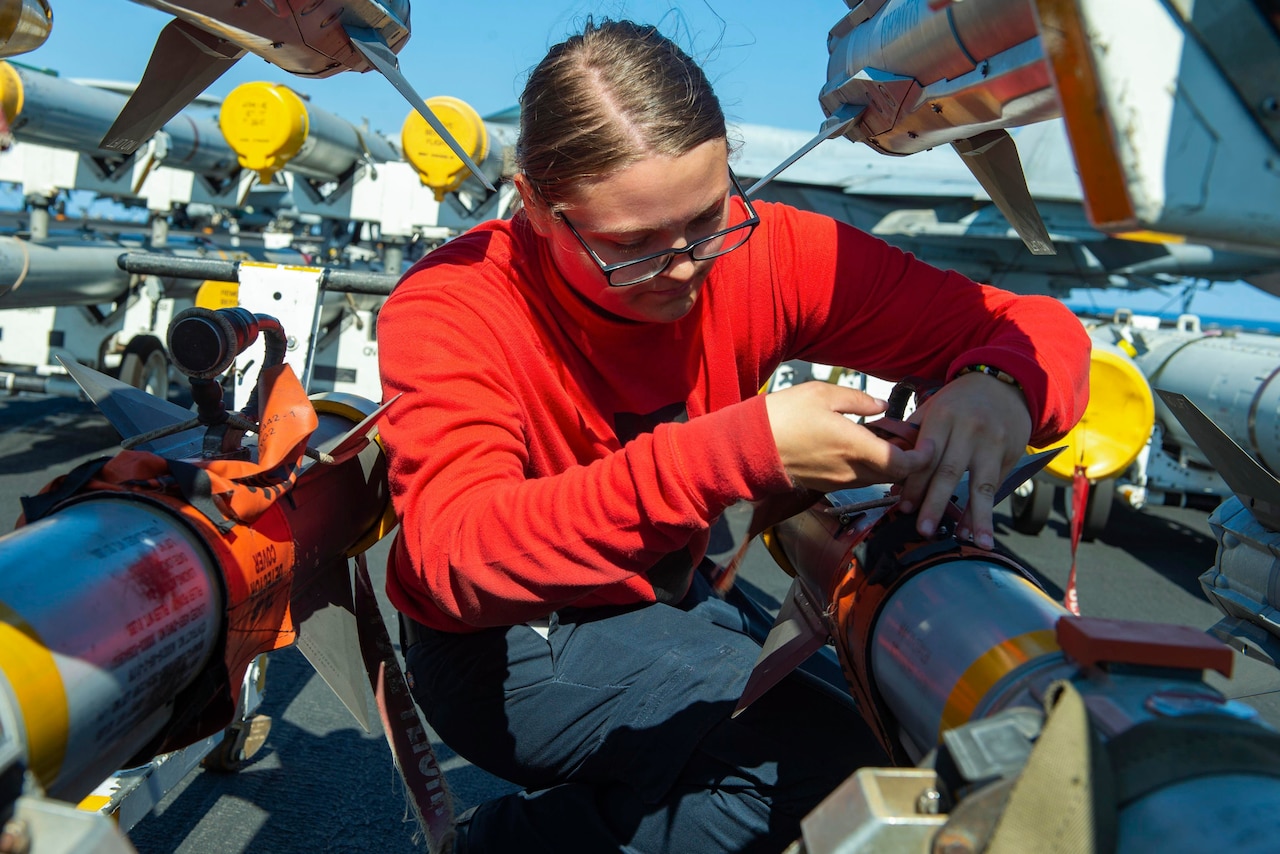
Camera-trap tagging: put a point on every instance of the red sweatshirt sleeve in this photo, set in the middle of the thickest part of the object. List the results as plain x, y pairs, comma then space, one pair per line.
889, 314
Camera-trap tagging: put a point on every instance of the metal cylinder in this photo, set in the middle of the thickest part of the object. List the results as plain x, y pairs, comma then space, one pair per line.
111, 605
934, 662
24, 25
1233, 377
48, 110
907, 38
109, 608
40, 274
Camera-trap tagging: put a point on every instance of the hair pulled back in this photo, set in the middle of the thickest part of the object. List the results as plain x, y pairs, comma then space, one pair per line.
603, 100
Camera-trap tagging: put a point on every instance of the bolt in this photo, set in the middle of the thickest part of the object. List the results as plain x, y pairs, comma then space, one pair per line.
929, 802
291, 343
937, 108
277, 45
1271, 106
912, 134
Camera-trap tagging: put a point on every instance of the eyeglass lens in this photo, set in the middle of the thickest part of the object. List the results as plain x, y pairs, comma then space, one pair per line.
701, 250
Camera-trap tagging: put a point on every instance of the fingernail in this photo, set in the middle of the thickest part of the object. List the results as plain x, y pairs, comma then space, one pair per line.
906, 506
926, 527
965, 534
986, 542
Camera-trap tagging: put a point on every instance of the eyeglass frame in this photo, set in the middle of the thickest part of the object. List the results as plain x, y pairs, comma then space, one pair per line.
750, 223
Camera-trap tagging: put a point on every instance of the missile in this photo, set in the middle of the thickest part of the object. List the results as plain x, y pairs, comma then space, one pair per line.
1002, 712
311, 38
183, 558
1149, 92
1245, 576
24, 25
270, 128
47, 110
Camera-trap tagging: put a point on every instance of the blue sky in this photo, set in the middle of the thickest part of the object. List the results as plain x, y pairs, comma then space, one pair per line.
767, 60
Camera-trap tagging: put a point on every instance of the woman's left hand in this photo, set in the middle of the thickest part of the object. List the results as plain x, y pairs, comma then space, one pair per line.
977, 424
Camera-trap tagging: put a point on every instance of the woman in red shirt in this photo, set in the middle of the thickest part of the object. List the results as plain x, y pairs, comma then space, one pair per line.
579, 408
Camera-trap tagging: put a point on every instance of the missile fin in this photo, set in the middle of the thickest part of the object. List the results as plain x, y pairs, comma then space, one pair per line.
133, 412
835, 124
1026, 468
184, 62
373, 48
798, 633
1257, 489
993, 159
324, 614
356, 439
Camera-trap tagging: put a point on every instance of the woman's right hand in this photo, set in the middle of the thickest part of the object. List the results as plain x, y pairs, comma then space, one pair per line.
822, 449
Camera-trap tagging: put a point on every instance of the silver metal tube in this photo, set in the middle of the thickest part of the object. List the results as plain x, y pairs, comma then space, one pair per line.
334, 146
936, 632
63, 114
1234, 378
119, 608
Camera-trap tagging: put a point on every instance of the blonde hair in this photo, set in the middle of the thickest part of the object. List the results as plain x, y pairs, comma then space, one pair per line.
602, 100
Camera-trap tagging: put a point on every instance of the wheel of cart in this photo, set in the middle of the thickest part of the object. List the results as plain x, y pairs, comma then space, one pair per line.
146, 366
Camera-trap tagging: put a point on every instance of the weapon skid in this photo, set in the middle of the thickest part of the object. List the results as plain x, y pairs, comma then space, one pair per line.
1014, 726
139, 590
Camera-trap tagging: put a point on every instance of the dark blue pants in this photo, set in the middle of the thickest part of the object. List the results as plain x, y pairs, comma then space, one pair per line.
617, 724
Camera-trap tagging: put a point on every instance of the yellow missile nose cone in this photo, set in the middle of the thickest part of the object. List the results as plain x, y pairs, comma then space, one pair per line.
11, 95
428, 153
1117, 422
266, 126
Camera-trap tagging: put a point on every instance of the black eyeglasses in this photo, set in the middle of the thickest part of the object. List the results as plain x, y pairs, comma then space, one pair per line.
625, 273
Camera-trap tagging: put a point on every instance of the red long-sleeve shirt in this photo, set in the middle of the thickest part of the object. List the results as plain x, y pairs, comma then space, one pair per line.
544, 454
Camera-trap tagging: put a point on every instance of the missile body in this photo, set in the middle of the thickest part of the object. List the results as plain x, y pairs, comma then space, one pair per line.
48, 110
921, 73
129, 622
24, 25
1234, 377
954, 650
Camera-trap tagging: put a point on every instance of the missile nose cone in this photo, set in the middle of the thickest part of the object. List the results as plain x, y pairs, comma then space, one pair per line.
24, 25
11, 93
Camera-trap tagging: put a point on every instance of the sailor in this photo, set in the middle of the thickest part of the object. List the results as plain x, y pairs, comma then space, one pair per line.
579, 407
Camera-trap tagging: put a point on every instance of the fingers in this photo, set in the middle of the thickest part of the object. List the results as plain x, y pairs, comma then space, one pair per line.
977, 432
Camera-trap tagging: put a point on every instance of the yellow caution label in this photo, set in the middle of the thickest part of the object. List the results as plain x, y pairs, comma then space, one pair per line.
32, 674
214, 295
94, 803
990, 668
